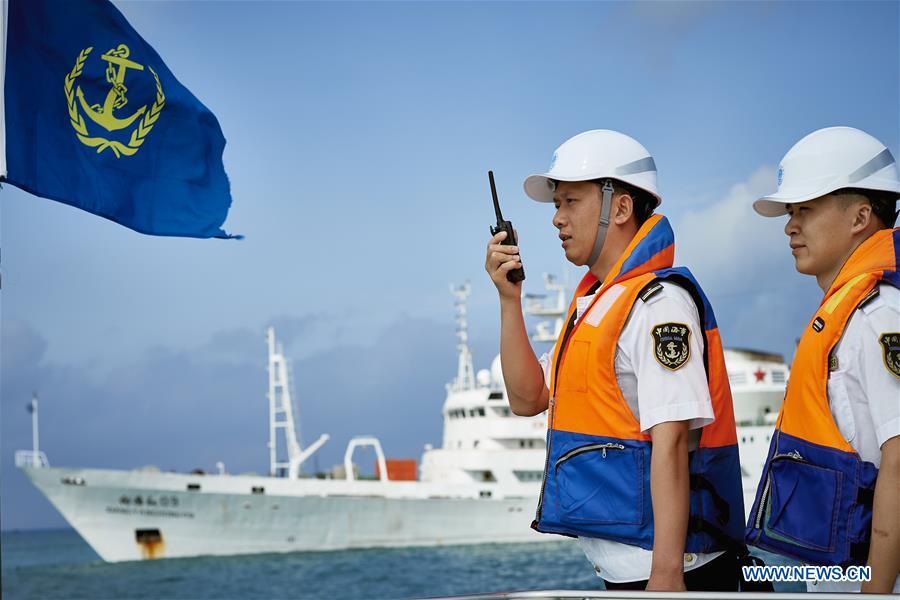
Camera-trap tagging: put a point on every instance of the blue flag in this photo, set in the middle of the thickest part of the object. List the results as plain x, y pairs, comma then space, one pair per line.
96, 120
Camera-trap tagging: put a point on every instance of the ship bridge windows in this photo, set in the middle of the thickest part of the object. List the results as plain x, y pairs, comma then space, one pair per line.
737, 378
483, 476
521, 443
193, 487
525, 476
495, 396
258, 489
73, 480
462, 413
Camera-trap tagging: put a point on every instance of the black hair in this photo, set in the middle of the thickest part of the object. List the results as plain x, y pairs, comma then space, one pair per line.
642, 203
884, 204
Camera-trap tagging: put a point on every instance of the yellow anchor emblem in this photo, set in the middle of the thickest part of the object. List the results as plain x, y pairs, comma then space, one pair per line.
103, 115
673, 352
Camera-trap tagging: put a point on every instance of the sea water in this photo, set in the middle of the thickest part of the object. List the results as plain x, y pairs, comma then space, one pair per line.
59, 564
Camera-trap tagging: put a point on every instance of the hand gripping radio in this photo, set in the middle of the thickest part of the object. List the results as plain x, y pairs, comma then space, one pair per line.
516, 275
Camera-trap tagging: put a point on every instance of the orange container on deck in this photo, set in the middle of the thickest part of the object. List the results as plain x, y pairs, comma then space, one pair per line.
399, 469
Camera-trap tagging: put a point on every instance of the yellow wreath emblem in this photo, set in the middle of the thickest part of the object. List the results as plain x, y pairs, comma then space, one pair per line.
137, 135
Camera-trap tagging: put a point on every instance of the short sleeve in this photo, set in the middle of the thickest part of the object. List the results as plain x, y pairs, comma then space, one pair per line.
544, 361
880, 362
663, 341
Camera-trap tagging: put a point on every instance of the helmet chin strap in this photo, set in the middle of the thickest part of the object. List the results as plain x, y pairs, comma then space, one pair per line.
603, 225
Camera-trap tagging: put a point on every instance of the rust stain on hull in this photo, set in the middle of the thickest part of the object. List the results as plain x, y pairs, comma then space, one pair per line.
151, 543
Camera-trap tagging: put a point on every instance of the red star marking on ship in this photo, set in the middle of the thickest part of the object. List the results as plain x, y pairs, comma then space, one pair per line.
759, 374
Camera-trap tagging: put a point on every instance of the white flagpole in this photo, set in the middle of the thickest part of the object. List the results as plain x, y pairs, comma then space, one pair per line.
3, 20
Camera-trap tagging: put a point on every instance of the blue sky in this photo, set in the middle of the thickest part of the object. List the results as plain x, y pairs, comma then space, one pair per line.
359, 136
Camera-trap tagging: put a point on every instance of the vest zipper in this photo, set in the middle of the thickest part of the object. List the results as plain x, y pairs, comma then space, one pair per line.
587, 448
540, 505
793, 455
569, 327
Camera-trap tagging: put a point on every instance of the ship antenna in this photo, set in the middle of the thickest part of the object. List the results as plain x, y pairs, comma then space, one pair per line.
33, 408
465, 372
33, 458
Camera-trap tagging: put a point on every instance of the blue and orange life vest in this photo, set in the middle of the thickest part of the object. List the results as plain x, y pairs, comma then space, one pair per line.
814, 501
597, 476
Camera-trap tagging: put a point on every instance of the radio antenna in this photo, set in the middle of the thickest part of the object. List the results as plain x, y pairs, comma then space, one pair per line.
494, 195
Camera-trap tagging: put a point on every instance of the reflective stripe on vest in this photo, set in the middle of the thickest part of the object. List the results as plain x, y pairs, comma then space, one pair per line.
814, 501
597, 480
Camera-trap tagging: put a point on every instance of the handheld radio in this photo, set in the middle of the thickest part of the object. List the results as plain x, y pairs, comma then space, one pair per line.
516, 275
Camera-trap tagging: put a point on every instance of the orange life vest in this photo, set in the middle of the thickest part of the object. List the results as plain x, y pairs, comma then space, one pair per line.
814, 501
597, 477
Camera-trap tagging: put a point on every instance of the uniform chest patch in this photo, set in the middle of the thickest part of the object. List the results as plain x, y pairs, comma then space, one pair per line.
672, 347
890, 346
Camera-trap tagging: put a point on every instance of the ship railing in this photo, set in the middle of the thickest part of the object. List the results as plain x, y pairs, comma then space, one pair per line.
30, 458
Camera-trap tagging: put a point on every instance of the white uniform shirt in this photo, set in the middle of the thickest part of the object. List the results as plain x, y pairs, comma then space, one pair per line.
863, 394
655, 395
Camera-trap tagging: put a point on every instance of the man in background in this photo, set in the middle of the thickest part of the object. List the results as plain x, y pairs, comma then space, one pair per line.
830, 493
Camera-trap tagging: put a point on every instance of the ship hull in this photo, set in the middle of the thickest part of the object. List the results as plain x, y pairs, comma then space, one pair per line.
132, 515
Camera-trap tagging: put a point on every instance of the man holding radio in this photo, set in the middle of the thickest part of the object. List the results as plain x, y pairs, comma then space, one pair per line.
642, 461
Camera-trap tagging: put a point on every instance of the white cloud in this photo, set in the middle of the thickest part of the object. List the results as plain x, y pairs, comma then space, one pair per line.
728, 241
744, 264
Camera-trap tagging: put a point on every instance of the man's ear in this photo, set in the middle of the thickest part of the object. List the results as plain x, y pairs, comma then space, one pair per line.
862, 217
623, 208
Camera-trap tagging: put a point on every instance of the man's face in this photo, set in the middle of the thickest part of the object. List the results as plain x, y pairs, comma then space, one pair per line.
577, 212
820, 233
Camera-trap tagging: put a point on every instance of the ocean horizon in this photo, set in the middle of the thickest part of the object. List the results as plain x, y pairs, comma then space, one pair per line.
58, 563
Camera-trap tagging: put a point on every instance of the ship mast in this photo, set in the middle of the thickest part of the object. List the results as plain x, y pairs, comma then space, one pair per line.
465, 372
281, 415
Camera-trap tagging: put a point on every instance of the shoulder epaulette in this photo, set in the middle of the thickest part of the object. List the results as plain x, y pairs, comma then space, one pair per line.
868, 297
650, 290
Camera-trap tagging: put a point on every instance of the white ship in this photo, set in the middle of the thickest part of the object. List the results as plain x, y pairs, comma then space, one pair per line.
480, 486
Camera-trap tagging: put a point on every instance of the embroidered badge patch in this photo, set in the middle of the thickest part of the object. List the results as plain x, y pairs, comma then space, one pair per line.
672, 347
890, 345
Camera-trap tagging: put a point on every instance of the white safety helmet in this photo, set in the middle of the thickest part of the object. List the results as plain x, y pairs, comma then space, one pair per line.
828, 160
597, 154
